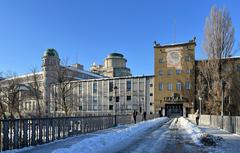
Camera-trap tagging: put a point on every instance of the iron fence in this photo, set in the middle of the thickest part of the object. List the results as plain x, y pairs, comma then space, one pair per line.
19, 133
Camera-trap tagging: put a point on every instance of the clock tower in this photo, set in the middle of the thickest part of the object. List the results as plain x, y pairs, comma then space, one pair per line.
174, 70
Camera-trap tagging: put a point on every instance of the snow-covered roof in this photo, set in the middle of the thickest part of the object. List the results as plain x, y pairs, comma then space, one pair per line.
84, 72
24, 76
113, 78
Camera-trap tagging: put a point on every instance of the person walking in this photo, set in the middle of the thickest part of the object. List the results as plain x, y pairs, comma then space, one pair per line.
144, 116
135, 116
197, 115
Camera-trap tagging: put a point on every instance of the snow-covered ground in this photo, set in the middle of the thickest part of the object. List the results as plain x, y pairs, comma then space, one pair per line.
112, 141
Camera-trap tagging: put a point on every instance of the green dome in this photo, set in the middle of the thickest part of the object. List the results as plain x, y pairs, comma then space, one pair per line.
116, 55
51, 52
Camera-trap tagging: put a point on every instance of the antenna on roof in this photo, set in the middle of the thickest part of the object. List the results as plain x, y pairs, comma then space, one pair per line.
174, 30
76, 57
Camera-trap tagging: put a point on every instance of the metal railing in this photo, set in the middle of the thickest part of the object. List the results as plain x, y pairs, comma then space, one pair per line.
228, 123
19, 133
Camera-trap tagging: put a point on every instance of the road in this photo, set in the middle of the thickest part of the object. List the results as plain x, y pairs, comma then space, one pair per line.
167, 138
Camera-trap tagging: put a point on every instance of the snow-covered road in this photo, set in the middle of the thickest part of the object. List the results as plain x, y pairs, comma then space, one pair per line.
162, 135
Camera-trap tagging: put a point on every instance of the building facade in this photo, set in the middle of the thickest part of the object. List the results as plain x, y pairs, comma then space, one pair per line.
174, 71
119, 95
114, 66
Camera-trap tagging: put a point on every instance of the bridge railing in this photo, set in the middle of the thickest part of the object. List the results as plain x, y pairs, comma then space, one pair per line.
228, 123
19, 133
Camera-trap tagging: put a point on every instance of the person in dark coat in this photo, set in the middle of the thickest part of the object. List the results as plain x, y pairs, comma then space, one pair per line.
135, 116
144, 116
197, 117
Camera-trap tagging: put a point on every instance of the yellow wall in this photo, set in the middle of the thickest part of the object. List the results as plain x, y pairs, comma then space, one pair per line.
161, 52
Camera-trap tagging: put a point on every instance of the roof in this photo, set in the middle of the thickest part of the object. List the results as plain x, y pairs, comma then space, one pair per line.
114, 78
84, 72
157, 45
23, 76
51, 52
115, 54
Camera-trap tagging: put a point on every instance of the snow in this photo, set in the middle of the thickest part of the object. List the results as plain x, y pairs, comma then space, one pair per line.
112, 140
192, 129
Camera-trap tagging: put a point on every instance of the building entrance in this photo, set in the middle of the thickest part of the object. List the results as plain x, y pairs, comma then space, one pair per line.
174, 110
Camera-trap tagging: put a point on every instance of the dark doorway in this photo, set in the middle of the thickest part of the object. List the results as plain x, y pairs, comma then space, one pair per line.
174, 110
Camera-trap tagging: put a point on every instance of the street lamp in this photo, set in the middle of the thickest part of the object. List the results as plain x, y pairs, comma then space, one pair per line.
115, 105
223, 84
200, 107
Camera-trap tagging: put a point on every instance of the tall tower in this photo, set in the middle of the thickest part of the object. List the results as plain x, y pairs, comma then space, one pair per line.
50, 68
174, 81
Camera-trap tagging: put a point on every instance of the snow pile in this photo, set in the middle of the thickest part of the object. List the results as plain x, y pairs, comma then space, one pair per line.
192, 129
106, 142
197, 135
210, 140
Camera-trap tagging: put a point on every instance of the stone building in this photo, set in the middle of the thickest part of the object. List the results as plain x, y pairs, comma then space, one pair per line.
173, 90
114, 66
174, 71
52, 72
119, 95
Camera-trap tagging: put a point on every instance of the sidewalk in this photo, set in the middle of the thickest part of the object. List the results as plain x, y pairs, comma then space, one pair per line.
230, 143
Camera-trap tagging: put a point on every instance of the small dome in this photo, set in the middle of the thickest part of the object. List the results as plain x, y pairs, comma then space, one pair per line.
51, 52
115, 55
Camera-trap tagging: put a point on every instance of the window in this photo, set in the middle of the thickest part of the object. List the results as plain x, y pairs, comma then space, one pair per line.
95, 87
189, 71
179, 86
187, 58
161, 60
94, 99
80, 107
170, 87
80, 88
95, 108
110, 98
117, 99
169, 72
129, 85
187, 85
129, 98
151, 94
160, 73
129, 107
151, 85
110, 107
178, 71
110, 86
238, 68
160, 86
150, 104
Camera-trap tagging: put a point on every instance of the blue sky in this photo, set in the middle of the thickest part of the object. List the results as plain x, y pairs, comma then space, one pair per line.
86, 31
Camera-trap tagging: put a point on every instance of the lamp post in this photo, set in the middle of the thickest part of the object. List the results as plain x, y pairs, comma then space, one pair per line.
200, 107
115, 105
223, 84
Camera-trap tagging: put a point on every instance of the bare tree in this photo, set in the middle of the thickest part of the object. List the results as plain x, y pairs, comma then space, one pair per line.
218, 44
11, 96
64, 94
34, 88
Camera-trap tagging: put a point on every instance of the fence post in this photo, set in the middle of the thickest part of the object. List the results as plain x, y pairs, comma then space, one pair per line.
33, 132
16, 128
5, 135
47, 130
25, 133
